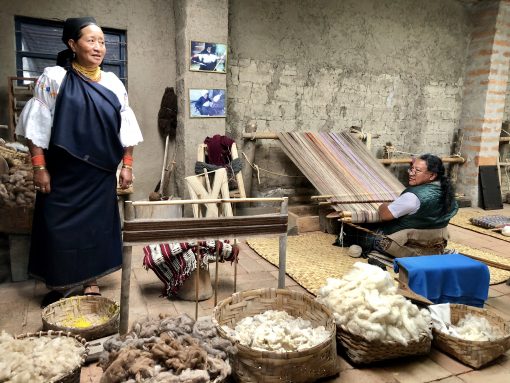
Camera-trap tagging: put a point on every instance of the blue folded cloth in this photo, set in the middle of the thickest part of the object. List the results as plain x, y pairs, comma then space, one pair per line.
448, 278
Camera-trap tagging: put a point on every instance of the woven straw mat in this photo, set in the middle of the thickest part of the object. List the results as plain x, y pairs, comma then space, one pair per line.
311, 258
497, 275
461, 219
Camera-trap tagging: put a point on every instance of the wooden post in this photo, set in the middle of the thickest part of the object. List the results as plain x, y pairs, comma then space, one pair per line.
216, 275
197, 282
249, 152
124, 289
129, 214
282, 247
235, 268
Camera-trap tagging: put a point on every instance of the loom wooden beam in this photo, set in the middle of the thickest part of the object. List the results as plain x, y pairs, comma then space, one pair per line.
274, 136
408, 160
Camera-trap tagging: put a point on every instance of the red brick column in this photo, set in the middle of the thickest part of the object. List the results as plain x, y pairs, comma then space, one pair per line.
485, 84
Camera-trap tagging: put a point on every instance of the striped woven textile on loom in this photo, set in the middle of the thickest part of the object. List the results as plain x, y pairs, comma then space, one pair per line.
339, 164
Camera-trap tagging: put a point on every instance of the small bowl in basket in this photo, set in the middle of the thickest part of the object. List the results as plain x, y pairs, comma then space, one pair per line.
90, 317
72, 376
250, 365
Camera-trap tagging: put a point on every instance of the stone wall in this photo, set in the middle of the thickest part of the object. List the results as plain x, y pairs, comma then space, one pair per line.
395, 68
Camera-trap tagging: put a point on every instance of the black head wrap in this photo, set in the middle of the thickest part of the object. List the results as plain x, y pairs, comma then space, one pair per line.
72, 28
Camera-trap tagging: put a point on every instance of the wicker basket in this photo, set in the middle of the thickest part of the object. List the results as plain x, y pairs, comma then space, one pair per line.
362, 351
473, 353
250, 365
74, 375
63, 314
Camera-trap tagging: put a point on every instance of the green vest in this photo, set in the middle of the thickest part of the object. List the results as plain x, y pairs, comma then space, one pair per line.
429, 214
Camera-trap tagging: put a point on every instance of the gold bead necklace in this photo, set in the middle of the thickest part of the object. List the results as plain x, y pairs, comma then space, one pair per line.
91, 74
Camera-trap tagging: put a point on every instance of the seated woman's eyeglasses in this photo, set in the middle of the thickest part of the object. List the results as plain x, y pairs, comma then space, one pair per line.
415, 170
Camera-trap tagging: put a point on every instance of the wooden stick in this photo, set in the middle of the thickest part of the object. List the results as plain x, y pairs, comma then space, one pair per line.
408, 160
165, 159
197, 281
235, 268
282, 249
216, 275
124, 289
202, 201
260, 135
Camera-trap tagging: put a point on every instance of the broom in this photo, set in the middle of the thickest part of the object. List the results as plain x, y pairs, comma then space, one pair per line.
167, 125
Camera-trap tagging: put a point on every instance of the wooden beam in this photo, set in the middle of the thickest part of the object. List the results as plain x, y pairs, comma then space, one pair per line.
205, 233
199, 223
408, 160
203, 201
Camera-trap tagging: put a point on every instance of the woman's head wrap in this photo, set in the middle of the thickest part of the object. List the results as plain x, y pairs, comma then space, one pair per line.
72, 28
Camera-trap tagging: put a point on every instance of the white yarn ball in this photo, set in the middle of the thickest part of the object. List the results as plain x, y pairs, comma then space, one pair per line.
354, 251
506, 231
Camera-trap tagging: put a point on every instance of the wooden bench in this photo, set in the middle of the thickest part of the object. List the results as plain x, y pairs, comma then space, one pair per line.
139, 230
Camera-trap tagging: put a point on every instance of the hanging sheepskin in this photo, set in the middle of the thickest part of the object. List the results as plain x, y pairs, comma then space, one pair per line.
365, 302
172, 349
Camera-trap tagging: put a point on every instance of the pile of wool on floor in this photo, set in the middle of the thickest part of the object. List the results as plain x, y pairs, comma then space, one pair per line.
169, 349
365, 302
38, 359
275, 330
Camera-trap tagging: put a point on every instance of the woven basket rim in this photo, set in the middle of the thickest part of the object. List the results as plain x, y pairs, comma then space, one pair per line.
423, 335
65, 301
267, 353
480, 311
53, 333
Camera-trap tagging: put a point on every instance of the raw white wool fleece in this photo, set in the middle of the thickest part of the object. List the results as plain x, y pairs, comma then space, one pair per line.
275, 330
365, 302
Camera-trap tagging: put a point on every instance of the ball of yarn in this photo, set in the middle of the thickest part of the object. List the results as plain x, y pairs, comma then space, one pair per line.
354, 251
506, 231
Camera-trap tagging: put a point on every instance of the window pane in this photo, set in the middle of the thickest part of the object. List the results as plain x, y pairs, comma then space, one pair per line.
41, 39
112, 47
33, 67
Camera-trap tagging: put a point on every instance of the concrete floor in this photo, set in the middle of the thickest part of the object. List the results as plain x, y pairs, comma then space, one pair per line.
21, 313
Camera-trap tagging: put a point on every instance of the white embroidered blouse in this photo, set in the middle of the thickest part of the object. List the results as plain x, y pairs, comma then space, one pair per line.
36, 118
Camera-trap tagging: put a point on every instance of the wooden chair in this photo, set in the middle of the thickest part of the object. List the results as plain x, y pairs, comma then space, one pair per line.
138, 230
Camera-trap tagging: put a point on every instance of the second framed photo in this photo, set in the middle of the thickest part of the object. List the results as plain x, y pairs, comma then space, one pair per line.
208, 57
207, 103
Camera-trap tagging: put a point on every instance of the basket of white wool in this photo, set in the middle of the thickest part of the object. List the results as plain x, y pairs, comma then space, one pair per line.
281, 336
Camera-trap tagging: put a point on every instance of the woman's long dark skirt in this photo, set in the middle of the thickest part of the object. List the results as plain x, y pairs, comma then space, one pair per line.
76, 234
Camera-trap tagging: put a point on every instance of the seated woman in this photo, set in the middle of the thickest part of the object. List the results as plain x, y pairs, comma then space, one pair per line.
428, 203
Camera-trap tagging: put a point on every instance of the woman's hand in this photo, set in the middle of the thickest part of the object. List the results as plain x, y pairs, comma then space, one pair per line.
125, 178
42, 181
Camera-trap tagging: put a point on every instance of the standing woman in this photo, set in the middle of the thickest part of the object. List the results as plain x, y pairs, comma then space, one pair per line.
79, 127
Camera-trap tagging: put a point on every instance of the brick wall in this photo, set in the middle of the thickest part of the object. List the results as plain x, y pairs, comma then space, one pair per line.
485, 85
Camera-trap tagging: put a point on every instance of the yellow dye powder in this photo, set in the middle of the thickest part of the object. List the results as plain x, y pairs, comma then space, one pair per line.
83, 321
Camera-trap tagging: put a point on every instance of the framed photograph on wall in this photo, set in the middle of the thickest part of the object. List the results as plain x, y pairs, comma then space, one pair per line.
208, 57
207, 103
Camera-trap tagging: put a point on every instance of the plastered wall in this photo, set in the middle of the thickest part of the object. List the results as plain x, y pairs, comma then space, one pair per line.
394, 68
151, 62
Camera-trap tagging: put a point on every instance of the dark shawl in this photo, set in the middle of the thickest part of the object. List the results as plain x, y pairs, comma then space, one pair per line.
76, 233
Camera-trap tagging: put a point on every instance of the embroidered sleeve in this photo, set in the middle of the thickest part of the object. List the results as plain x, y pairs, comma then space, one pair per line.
130, 133
36, 118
